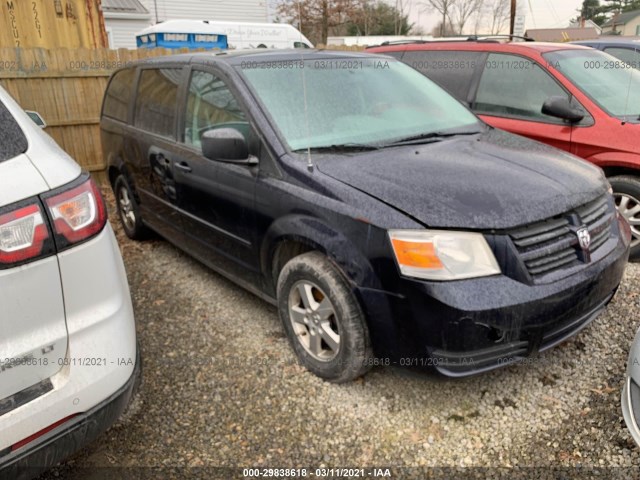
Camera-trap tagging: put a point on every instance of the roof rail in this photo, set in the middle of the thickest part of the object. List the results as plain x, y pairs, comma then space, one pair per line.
481, 38
453, 38
400, 42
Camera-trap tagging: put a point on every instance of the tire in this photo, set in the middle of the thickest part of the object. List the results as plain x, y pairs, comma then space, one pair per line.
330, 337
128, 210
626, 190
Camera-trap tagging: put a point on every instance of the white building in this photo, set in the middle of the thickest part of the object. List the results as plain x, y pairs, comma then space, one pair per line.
586, 24
124, 18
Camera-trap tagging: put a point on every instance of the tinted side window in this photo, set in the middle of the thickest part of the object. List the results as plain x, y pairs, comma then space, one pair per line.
628, 55
12, 139
118, 95
156, 100
453, 71
513, 86
211, 105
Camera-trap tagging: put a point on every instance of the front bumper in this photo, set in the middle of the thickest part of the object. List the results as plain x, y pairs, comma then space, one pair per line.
471, 326
63, 441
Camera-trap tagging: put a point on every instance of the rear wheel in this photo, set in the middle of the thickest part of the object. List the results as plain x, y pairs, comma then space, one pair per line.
128, 210
323, 319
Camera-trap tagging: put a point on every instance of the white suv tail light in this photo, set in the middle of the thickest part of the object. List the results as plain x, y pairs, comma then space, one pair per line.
22, 234
75, 213
78, 213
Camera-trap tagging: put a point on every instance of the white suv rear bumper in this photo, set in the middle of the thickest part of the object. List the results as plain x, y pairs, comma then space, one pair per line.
101, 355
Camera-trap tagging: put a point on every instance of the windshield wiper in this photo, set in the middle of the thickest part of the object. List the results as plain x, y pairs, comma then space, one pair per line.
342, 147
428, 138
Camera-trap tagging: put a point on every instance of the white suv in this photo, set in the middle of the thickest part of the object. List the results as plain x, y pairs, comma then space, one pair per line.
68, 355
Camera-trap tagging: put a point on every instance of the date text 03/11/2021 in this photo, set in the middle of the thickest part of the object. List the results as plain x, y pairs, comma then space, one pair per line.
316, 472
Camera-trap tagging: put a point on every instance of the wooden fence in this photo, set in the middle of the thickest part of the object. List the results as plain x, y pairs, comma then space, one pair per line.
66, 87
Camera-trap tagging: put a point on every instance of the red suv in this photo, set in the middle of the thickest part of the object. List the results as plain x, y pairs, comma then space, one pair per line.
581, 100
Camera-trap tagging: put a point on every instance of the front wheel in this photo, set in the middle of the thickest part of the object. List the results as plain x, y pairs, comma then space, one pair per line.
626, 191
323, 319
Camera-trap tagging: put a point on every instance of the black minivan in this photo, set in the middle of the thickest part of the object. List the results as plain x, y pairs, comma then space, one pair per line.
388, 224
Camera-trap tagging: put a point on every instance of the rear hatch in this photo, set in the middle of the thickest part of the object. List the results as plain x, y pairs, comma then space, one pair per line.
33, 330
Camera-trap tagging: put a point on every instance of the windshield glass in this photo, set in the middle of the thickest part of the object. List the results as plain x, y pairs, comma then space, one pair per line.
608, 81
345, 101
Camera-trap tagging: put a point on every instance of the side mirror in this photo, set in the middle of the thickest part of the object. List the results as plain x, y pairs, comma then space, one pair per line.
560, 107
226, 145
37, 118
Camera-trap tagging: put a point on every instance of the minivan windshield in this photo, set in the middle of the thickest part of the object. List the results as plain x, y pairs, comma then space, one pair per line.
610, 82
354, 101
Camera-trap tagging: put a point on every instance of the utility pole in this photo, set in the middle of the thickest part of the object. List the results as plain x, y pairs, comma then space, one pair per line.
513, 17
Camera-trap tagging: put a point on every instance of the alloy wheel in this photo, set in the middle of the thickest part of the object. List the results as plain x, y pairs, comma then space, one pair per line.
314, 320
127, 215
629, 208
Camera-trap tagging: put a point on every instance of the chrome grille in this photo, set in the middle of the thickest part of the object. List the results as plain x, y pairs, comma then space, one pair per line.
552, 245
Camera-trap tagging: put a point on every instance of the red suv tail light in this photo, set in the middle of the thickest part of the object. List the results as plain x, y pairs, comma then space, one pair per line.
77, 213
22, 234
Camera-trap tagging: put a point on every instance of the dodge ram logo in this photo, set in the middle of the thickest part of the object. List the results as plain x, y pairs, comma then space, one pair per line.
584, 238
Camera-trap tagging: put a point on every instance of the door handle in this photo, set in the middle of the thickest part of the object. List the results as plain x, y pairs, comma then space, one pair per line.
183, 166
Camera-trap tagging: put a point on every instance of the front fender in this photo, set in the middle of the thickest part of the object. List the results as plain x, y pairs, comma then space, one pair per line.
318, 235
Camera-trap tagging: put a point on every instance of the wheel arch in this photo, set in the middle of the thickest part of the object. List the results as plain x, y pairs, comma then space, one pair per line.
617, 163
616, 171
295, 234
117, 166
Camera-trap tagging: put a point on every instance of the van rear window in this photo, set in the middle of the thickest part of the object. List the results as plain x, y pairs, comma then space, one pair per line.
157, 99
12, 139
118, 96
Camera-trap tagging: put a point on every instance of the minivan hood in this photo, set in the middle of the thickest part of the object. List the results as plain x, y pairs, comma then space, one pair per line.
493, 180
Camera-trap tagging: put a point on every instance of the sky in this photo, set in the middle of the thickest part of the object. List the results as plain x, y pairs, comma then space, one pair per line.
540, 13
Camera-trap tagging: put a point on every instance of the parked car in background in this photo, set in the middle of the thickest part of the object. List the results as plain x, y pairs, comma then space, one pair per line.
575, 98
68, 359
631, 391
625, 48
388, 224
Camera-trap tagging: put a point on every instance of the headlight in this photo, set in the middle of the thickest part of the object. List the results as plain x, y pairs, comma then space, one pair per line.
442, 255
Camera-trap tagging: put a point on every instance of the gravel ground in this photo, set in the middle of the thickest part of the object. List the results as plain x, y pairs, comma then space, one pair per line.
222, 389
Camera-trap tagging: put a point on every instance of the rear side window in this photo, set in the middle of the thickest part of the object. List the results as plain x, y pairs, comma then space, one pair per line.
513, 86
453, 71
12, 139
627, 55
156, 100
118, 95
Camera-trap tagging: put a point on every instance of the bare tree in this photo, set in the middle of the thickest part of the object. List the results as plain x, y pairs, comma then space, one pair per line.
462, 11
439, 31
315, 17
400, 8
444, 7
499, 15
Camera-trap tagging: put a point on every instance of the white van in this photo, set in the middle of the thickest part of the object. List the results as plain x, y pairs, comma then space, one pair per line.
240, 35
